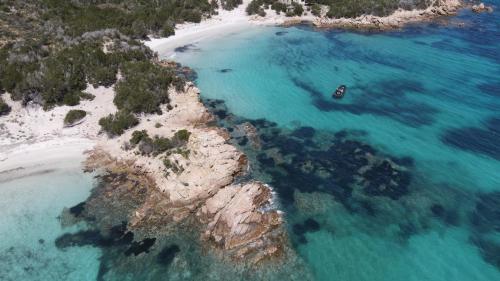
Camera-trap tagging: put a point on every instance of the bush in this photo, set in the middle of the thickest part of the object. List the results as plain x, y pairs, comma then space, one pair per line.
74, 116
167, 30
161, 145
144, 87
158, 145
356, 8
254, 7
4, 108
116, 124
298, 10
138, 136
181, 137
316, 9
230, 4
278, 7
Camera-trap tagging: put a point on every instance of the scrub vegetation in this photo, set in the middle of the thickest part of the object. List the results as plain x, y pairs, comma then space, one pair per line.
51, 50
337, 8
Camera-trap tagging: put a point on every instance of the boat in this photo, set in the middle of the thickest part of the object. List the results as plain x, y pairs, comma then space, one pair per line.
340, 92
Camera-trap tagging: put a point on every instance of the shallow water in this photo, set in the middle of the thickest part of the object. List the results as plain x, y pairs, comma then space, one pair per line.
428, 94
29, 225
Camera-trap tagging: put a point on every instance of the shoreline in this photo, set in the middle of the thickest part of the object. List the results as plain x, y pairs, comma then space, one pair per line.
227, 22
31, 159
195, 180
204, 187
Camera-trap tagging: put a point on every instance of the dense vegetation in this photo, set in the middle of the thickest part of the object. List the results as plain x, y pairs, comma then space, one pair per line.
258, 7
144, 87
230, 4
4, 108
338, 8
50, 50
74, 116
135, 18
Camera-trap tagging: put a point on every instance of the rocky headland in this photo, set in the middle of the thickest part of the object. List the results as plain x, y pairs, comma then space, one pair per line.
197, 180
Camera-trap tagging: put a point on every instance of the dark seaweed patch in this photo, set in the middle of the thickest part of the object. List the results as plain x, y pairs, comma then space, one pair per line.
167, 254
140, 247
78, 209
384, 98
82, 238
479, 140
384, 180
486, 215
243, 141
118, 235
491, 89
304, 132
333, 169
437, 210
449, 217
184, 48
490, 250
420, 42
281, 33
300, 229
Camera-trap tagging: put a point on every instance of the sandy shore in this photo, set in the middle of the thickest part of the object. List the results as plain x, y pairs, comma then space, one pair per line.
28, 159
227, 22
198, 182
224, 23
33, 139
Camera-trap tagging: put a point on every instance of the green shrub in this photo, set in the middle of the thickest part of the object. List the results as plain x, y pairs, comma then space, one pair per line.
161, 145
144, 87
138, 136
278, 7
298, 10
316, 9
254, 7
74, 116
116, 124
181, 137
167, 30
4, 108
230, 4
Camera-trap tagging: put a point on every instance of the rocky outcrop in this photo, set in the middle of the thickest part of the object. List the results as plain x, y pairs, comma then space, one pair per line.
238, 221
481, 8
395, 20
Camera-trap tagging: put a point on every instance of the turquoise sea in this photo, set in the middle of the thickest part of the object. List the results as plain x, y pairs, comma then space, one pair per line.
399, 180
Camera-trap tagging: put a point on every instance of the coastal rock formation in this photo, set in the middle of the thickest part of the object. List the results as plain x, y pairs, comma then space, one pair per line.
396, 20
237, 220
199, 180
481, 8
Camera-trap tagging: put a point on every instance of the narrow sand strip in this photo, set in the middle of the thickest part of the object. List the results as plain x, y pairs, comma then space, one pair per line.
35, 158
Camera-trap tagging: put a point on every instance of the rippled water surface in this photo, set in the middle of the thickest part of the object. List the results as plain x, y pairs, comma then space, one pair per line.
426, 97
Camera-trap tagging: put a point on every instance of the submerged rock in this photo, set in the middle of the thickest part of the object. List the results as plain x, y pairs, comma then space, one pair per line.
481, 8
